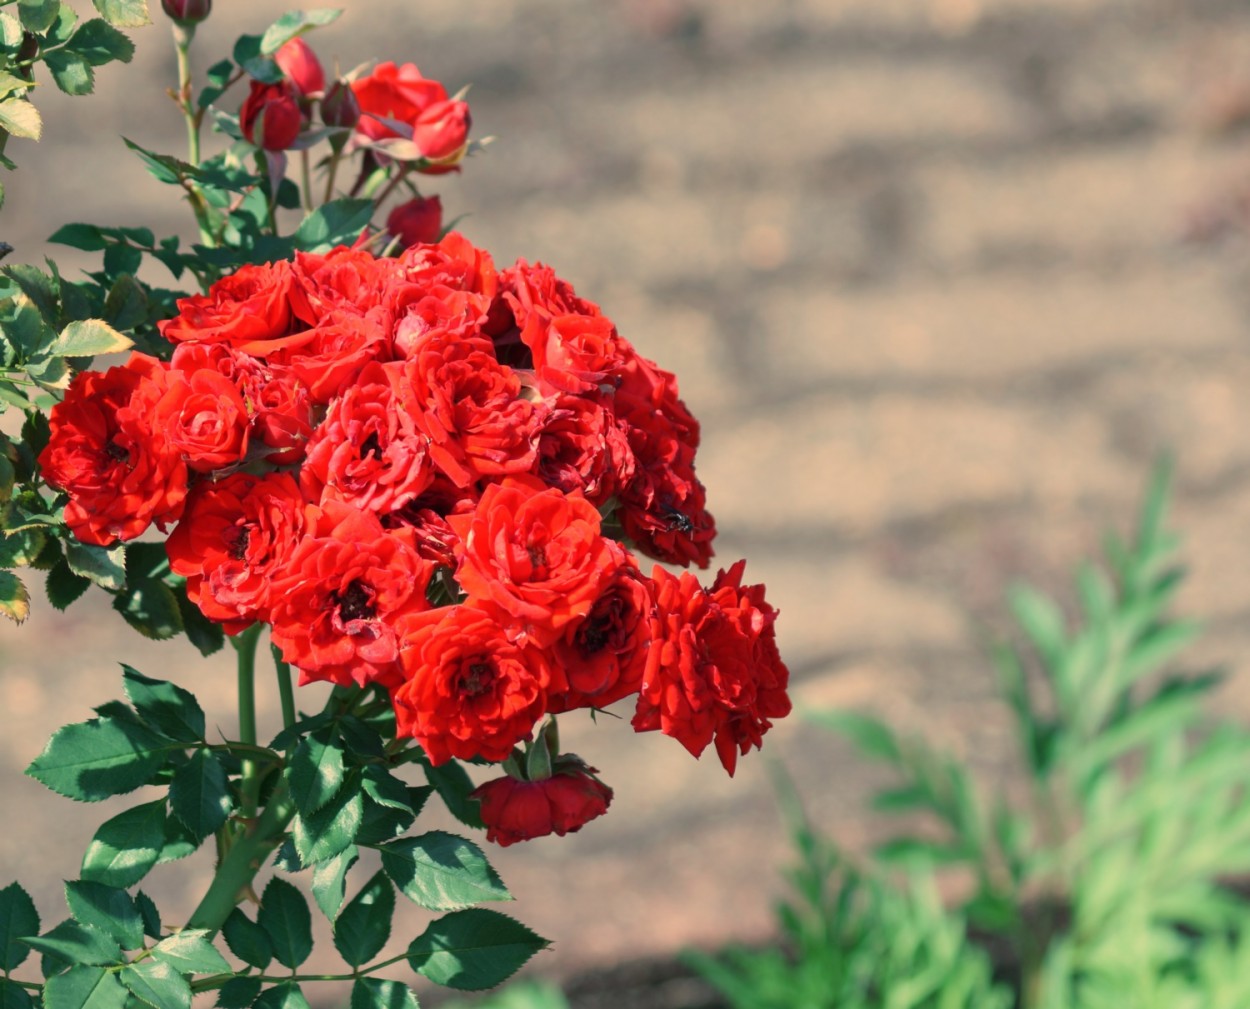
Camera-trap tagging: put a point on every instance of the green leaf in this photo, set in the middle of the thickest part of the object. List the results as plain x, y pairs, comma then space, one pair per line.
126, 305
83, 987
98, 43
364, 925
330, 880
75, 943
107, 908
14, 598
165, 706
292, 24
247, 940
284, 996
150, 607
103, 565
63, 586
199, 794
179, 842
124, 13
150, 915
71, 72
18, 918
13, 996
315, 771
334, 223
89, 337
442, 872
870, 736
238, 993
386, 790
285, 918
375, 993
87, 237
21, 119
126, 846
207, 635
325, 833
38, 287
92, 760
158, 984
38, 15
474, 949
453, 785
191, 951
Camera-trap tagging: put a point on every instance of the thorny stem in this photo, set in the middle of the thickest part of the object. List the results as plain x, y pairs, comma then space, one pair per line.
183, 35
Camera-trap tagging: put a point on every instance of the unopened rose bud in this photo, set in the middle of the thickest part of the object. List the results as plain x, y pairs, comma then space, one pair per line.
339, 107
514, 810
270, 117
301, 66
442, 131
417, 221
187, 12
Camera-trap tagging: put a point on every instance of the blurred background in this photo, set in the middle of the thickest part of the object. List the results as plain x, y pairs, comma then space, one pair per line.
941, 279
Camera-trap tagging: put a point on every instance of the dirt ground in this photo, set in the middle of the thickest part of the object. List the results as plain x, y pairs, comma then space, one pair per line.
926, 272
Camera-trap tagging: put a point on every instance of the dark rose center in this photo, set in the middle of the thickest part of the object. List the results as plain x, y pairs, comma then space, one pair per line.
236, 541
477, 679
355, 602
116, 452
371, 447
538, 555
602, 628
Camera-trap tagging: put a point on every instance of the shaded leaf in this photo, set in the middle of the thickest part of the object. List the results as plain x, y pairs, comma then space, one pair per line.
107, 908
126, 846
364, 925
199, 794
84, 987
442, 872
286, 920
98, 758
18, 918
474, 949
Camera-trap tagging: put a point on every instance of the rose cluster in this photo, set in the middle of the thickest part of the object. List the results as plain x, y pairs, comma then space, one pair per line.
431, 476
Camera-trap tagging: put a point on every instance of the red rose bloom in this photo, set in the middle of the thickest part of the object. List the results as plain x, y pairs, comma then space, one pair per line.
368, 452
603, 655
299, 63
713, 670
341, 280
234, 541
468, 691
514, 810
533, 557
248, 309
119, 469
394, 92
346, 584
418, 220
204, 416
442, 131
580, 448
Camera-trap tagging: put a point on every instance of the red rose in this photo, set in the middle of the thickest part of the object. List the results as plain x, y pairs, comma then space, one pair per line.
341, 280
339, 107
442, 131
394, 92
299, 63
249, 310
204, 416
467, 691
270, 116
283, 419
333, 354
514, 810
534, 557
580, 448
418, 220
368, 452
471, 409
119, 469
454, 264
603, 655
233, 541
713, 670
345, 586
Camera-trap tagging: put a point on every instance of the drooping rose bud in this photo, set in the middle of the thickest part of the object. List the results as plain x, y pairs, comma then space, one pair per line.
419, 220
187, 12
270, 117
339, 107
515, 810
301, 66
442, 130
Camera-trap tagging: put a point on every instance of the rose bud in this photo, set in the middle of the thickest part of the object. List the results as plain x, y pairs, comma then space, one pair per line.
442, 131
187, 12
273, 108
339, 107
301, 66
417, 221
514, 810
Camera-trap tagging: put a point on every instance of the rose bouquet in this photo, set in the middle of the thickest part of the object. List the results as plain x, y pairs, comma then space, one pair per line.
430, 479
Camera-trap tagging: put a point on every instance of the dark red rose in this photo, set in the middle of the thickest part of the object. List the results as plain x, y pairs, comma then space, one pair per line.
533, 557
339, 107
118, 467
345, 586
187, 12
270, 116
468, 691
515, 810
580, 448
418, 220
233, 542
713, 671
